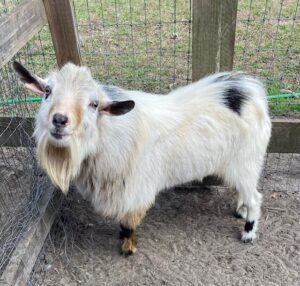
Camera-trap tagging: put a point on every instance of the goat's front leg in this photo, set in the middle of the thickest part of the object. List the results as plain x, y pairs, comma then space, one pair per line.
129, 223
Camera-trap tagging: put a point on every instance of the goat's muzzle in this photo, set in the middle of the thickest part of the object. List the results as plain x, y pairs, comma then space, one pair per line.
59, 128
59, 120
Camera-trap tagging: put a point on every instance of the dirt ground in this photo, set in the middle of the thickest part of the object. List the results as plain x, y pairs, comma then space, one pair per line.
189, 237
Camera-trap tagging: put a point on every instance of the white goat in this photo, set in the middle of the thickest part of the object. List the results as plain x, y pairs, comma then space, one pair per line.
218, 125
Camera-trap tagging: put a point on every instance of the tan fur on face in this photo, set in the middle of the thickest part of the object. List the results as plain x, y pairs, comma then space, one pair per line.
76, 112
73, 111
59, 162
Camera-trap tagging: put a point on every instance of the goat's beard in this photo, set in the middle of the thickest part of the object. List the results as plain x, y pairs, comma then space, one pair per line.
61, 164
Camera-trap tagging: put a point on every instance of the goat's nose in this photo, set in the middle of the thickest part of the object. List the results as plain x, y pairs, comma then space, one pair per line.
59, 120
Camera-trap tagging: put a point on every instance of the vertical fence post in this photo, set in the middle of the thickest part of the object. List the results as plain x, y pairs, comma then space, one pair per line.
63, 30
214, 23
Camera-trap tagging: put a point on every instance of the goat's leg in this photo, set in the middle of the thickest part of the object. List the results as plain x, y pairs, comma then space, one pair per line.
129, 223
244, 177
253, 204
241, 209
251, 200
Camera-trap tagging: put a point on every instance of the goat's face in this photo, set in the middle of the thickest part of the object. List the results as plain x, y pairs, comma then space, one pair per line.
69, 108
72, 102
66, 126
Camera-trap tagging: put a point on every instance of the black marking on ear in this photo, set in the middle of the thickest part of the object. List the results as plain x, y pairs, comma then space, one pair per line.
234, 99
125, 232
24, 74
249, 226
119, 107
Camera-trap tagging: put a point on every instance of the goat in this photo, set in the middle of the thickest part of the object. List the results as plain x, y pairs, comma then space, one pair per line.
121, 147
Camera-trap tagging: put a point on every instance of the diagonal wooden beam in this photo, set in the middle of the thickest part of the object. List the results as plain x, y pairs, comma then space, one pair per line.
22, 261
19, 26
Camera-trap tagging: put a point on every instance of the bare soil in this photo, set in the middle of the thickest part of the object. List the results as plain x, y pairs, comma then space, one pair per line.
189, 237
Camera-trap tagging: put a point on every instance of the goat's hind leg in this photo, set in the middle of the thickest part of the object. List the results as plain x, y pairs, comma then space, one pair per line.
241, 210
129, 223
252, 200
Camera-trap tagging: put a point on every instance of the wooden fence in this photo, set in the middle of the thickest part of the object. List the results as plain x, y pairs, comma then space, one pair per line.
213, 28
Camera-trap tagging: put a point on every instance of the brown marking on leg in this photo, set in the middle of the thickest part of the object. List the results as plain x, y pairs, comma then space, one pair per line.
129, 245
129, 223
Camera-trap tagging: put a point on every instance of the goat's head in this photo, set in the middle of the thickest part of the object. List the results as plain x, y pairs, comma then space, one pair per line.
72, 105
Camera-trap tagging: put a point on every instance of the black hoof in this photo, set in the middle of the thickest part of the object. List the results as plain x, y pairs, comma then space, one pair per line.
127, 253
237, 215
249, 240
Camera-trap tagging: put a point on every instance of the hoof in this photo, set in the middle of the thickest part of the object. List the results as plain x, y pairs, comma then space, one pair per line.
126, 254
248, 237
237, 215
129, 246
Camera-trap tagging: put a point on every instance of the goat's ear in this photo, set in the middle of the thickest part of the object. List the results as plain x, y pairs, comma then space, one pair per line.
31, 81
118, 107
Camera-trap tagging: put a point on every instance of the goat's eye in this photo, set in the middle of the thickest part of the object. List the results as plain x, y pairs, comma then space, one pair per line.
94, 104
47, 91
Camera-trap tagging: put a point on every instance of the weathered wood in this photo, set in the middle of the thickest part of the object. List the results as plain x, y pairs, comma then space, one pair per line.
19, 26
285, 136
63, 30
22, 261
214, 24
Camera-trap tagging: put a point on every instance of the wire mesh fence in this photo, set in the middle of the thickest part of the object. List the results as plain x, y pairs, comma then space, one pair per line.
139, 45
268, 45
8, 5
21, 182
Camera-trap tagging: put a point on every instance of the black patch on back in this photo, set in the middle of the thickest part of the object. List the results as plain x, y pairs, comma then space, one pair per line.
234, 99
125, 232
249, 226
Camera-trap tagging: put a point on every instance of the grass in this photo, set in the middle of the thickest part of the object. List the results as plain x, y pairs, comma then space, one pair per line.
285, 107
143, 45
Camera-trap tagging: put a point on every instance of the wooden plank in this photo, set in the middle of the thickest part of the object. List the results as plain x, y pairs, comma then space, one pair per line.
63, 30
19, 26
285, 136
22, 261
213, 38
